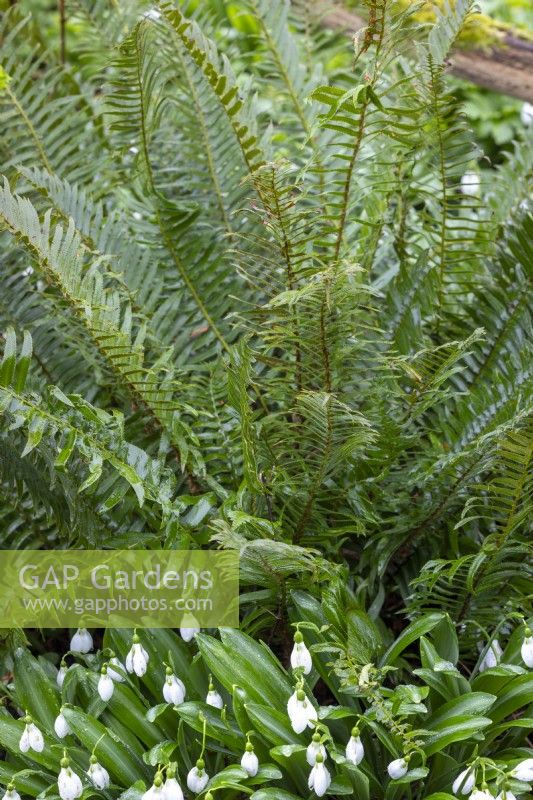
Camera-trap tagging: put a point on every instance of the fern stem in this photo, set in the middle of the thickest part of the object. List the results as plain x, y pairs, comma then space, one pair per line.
33, 133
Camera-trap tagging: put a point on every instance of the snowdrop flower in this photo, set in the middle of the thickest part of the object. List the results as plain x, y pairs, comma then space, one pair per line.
82, 641
481, 794
68, 783
524, 771
98, 775
152, 14
171, 787
157, 790
61, 674
106, 687
32, 738
319, 777
527, 647
302, 713
249, 761
213, 698
11, 793
137, 658
492, 656
61, 726
197, 778
470, 183
314, 748
117, 674
526, 114
173, 689
505, 794
354, 749
464, 783
188, 633
300, 656
398, 768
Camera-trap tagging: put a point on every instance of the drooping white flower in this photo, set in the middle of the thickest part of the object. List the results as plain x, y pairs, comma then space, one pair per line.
82, 641
188, 633
526, 114
156, 790
106, 687
32, 738
319, 777
98, 775
355, 751
249, 761
464, 783
505, 794
152, 14
61, 726
526, 650
61, 675
470, 183
116, 670
492, 656
68, 783
314, 748
481, 794
523, 771
197, 779
137, 658
11, 793
172, 789
302, 713
300, 656
173, 689
398, 768
213, 698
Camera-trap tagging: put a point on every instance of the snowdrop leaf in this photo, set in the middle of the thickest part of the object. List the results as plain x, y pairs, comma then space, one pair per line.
224, 731
517, 694
472, 703
335, 712
135, 792
364, 639
455, 730
273, 794
287, 750
413, 632
413, 775
267, 772
273, 725
10, 733
35, 691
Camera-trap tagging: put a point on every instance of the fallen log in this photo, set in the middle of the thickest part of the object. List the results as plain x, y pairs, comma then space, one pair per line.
505, 67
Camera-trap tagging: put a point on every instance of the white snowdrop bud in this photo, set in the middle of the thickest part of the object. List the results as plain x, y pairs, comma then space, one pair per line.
526, 650
249, 761
32, 738
464, 783
68, 783
106, 687
213, 698
523, 771
173, 689
61, 674
300, 656
398, 768
314, 748
481, 794
97, 774
11, 793
82, 641
137, 658
470, 183
302, 713
505, 794
116, 670
187, 634
157, 790
197, 779
355, 751
171, 788
319, 777
61, 726
492, 656
526, 114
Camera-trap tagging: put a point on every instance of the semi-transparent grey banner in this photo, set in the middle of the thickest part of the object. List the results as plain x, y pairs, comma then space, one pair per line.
118, 588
